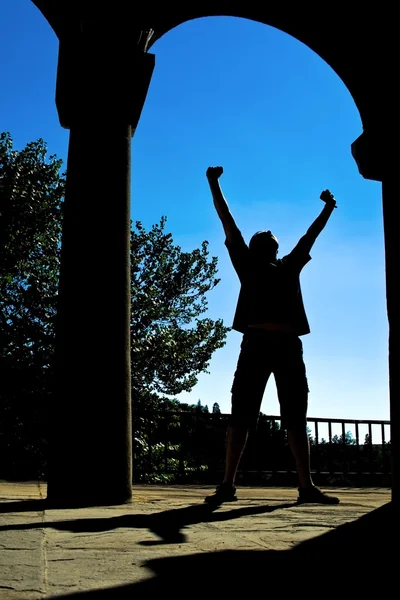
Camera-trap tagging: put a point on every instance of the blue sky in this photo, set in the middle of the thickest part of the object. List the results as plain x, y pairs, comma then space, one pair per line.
231, 92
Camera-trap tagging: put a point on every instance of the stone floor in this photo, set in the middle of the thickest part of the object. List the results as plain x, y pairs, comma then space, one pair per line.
168, 541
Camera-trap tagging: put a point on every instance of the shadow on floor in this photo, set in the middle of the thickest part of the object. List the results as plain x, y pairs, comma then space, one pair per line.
357, 557
18, 506
167, 525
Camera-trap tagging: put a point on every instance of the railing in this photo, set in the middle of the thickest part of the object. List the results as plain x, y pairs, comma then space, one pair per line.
189, 447
358, 458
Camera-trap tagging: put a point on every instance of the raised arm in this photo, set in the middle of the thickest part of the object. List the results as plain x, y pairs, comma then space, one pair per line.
213, 174
306, 242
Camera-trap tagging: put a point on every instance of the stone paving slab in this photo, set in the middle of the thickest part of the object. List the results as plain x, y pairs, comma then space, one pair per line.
47, 553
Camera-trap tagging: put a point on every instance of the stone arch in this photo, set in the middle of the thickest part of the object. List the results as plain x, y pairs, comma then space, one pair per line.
300, 23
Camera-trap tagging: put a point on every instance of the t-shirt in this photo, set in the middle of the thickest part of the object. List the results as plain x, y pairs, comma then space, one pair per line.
270, 291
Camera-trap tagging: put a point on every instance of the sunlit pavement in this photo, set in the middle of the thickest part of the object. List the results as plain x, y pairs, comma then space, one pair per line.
50, 552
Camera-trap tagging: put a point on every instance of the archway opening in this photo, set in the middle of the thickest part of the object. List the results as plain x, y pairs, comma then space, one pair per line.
245, 95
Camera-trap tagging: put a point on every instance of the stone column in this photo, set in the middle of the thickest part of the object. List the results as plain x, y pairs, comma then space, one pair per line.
101, 88
376, 160
391, 224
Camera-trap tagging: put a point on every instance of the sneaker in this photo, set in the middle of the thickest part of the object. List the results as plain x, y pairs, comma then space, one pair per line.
223, 493
314, 495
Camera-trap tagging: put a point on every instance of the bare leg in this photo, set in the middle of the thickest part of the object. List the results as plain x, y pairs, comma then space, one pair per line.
300, 447
235, 443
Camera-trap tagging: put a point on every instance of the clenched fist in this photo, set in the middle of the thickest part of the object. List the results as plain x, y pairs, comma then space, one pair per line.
327, 197
214, 172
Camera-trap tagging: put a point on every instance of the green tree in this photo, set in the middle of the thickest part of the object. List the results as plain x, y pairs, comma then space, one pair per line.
170, 343
349, 440
201, 408
31, 194
216, 409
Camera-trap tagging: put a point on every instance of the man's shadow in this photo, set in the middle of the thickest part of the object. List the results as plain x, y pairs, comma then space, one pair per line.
167, 525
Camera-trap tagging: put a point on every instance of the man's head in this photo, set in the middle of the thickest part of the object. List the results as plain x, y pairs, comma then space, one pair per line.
264, 245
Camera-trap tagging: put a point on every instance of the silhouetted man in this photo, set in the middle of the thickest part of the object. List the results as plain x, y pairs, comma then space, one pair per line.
271, 316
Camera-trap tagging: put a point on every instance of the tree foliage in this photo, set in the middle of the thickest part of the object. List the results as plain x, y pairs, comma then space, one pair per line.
170, 343
31, 193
